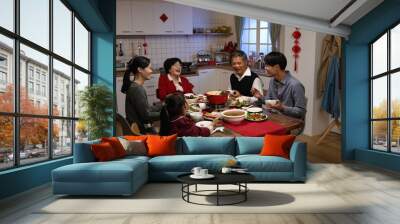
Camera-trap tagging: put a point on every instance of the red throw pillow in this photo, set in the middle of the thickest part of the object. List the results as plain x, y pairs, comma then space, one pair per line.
103, 152
277, 145
135, 137
116, 145
161, 145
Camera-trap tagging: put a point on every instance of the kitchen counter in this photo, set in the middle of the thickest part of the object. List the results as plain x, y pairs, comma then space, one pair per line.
194, 72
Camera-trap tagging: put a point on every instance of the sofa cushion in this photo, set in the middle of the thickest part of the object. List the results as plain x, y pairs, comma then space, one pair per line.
249, 145
116, 145
112, 171
103, 152
134, 147
185, 163
257, 163
277, 145
161, 145
209, 145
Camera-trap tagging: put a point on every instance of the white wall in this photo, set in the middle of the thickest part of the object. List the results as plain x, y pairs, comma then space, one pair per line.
308, 63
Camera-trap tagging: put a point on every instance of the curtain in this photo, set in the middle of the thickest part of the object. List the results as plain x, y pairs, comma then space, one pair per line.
238, 29
274, 31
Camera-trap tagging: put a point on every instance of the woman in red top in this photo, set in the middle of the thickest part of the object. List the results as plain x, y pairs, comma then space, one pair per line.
173, 81
174, 121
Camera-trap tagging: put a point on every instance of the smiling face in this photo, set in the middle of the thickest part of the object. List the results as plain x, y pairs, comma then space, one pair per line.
272, 71
239, 65
146, 72
175, 69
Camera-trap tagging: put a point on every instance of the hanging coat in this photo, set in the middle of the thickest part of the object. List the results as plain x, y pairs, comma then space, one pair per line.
331, 46
331, 101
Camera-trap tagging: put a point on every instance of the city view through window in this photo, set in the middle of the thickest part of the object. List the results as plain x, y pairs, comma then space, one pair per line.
385, 92
39, 114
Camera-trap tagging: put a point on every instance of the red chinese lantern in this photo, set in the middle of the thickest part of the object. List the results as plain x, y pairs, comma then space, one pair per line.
296, 47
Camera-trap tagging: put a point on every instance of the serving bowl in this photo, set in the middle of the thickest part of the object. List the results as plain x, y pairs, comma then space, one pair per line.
217, 97
234, 116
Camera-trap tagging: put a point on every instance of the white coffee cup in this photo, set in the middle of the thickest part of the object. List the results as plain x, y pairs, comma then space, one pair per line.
203, 172
196, 170
226, 170
271, 102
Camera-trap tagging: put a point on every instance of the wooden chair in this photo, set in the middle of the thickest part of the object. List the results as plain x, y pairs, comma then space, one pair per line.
123, 128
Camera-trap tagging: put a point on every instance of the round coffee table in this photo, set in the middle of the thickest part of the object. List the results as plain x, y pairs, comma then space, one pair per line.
238, 179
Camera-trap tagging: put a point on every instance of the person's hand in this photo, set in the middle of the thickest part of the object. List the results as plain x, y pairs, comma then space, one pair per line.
278, 106
256, 93
235, 93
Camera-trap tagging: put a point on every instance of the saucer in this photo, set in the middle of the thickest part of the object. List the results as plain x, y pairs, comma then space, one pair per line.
208, 176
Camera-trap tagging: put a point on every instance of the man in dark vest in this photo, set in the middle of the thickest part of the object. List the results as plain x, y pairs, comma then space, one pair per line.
243, 81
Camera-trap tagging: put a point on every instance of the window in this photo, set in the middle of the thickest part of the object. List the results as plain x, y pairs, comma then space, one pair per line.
385, 94
30, 87
45, 131
255, 37
3, 72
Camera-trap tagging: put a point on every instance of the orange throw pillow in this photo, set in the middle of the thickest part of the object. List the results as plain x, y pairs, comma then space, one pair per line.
161, 145
277, 145
135, 137
103, 152
116, 145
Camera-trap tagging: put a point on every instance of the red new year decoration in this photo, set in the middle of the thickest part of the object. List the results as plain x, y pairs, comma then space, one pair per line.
296, 47
164, 17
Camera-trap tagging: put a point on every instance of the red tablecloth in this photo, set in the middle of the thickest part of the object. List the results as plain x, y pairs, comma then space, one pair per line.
256, 129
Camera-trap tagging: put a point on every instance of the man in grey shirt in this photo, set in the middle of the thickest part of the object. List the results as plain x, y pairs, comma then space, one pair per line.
284, 87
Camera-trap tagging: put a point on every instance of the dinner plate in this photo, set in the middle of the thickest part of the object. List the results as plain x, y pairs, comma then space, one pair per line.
208, 176
264, 118
204, 124
254, 110
213, 116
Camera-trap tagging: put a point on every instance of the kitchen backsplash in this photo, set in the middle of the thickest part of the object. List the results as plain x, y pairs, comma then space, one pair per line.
160, 48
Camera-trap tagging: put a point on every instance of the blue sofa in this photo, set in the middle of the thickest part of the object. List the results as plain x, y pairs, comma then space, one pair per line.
125, 176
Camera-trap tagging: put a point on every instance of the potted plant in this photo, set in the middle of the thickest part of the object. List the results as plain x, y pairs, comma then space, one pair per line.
96, 103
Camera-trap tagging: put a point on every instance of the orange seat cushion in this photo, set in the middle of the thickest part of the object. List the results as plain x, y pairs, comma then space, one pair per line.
161, 145
116, 145
277, 145
103, 152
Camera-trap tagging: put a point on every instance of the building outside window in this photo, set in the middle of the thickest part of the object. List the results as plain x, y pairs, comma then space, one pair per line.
58, 133
385, 92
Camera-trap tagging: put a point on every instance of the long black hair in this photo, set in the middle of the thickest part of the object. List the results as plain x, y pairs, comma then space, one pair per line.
133, 65
172, 108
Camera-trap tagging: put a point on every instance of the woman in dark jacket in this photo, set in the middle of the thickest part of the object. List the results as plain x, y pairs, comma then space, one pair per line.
137, 108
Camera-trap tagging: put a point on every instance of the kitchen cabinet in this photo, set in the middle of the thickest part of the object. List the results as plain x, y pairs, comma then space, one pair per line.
124, 15
141, 17
224, 78
208, 80
134, 17
165, 26
195, 82
183, 23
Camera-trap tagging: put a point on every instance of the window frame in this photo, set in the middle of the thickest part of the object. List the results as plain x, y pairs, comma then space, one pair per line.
258, 37
388, 74
16, 114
